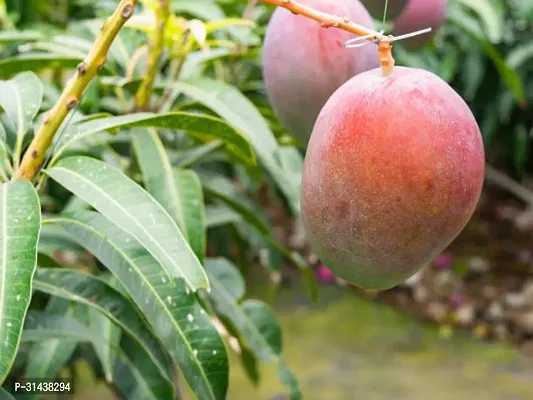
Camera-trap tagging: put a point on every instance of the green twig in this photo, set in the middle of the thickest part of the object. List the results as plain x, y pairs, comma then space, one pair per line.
87, 70
156, 47
178, 60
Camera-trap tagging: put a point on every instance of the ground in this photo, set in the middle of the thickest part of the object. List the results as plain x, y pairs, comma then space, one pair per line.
345, 347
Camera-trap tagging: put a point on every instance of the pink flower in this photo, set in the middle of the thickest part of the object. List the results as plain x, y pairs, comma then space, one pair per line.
324, 274
443, 261
457, 299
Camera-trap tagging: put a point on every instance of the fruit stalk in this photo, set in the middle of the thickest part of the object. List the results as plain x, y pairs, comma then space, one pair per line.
328, 20
86, 71
155, 49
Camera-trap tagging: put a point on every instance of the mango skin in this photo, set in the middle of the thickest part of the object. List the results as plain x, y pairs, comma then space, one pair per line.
304, 63
392, 174
376, 8
420, 14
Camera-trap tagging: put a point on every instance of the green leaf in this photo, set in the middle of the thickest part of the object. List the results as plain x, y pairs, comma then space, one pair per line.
253, 318
46, 358
488, 15
131, 208
508, 74
174, 313
256, 321
5, 395
41, 326
158, 176
286, 376
192, 200
202, 127
12, 66
220, 215
88, 290
19, 36
106, 350
221, 189
20, 221
207, 10
136, 376
197, 153
240, 112
4, 156
519, 55
21, 100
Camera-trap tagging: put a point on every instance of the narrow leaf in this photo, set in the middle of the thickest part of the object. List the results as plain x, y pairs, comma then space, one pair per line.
192, 200
86, 289
21, 100
46, 358
106, 350
174, 313
137, 377
201, 127
256, 321
241, 113
130, 207
20, 221
12, 66
41, 326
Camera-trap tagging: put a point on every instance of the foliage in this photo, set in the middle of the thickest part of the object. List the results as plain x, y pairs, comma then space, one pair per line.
147, 202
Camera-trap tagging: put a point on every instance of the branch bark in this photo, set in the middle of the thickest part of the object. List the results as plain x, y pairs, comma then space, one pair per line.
156, 48
86, 71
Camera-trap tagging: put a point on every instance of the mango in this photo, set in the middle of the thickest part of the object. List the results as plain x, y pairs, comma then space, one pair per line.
304, 63
393, 172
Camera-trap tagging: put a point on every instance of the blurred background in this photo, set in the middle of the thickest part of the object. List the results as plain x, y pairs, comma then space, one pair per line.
462, 328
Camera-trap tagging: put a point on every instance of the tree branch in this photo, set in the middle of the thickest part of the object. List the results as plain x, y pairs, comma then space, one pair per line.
156, 47
87, 70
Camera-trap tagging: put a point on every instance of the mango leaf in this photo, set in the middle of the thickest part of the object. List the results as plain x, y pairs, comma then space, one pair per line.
40, 326
46, 358
186, 159
219, 215
20, 36
157, 172
131, 208
519, 55
21, 100
207, 10
286, 376
35, 62
192, 200
202, 127
240, 112
488, 15
20, 222
53, 239
508, 74
173, 312
5, 169
222, 190
136, 376
106, 350
5, 395
253, 318
88, 290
